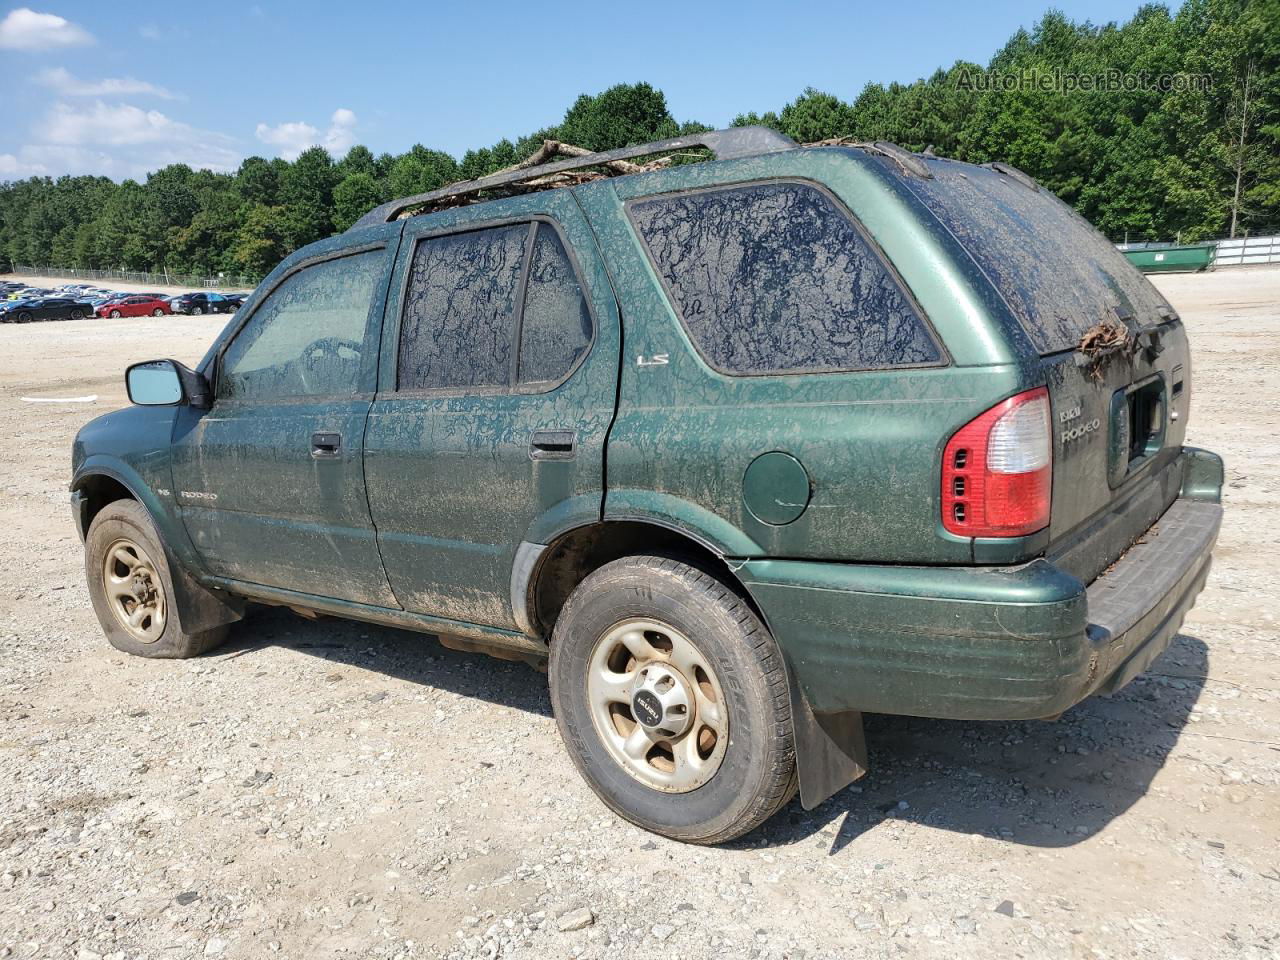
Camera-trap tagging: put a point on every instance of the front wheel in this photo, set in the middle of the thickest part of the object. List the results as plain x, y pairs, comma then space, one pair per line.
132, 589
197, 311
115, 314
672, 699
157, 312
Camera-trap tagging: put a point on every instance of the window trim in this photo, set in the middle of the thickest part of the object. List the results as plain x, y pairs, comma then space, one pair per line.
303, 264
514, 388
944, 357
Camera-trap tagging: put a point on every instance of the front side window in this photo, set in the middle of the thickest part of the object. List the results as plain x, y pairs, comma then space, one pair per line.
308, 336
775, 278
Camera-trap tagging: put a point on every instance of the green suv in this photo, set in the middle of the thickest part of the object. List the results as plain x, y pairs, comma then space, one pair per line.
736, 450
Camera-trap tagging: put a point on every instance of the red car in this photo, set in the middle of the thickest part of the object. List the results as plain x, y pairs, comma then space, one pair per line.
139, 306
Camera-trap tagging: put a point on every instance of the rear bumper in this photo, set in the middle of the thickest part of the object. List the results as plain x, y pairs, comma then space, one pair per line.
988, 643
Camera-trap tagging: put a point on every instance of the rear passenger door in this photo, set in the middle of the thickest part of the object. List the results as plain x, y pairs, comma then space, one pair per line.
496, 391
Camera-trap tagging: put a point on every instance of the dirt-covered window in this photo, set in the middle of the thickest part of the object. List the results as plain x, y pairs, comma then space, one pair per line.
459, 310
1058, 275
308, 336
556, 326
774, 278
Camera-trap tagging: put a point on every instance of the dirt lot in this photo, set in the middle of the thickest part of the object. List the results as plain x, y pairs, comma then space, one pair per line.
319, 790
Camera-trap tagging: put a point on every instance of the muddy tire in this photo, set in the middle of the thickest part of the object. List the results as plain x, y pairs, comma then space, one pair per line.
132, 590
672, 698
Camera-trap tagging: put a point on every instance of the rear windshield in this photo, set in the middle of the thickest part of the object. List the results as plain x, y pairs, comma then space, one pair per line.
1058, 275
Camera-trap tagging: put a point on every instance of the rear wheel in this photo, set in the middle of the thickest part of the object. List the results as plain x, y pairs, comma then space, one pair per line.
672, 699
157, 312
77, 314
132, 589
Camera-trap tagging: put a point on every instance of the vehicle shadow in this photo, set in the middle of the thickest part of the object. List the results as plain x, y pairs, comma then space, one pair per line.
1035, 783
402, 654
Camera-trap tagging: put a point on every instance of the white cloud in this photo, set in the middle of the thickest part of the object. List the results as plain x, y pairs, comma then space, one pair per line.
110, 125
290, 139
24, 29
122, 140
341, 135
65, 83
12, 168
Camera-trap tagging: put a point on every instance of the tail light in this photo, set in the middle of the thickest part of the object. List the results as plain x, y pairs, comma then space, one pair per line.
997, 470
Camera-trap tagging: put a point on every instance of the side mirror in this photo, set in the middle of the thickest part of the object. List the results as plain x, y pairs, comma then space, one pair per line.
166, 383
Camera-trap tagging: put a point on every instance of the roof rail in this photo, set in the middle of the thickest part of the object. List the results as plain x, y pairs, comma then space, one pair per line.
725, 144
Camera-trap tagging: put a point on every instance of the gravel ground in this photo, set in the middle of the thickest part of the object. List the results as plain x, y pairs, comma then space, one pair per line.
326, 789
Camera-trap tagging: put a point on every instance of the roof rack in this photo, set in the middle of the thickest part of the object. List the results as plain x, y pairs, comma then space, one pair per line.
725, 144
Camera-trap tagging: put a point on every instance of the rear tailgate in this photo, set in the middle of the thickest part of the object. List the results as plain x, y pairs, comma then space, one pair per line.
1119, 413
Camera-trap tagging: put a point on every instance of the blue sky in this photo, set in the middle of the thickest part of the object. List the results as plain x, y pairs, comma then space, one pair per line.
126, 86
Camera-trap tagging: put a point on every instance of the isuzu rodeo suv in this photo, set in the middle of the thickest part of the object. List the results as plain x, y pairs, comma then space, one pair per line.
737, 450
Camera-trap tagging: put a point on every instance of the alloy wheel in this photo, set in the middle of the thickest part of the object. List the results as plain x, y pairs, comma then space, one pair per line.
134, 590
657, 705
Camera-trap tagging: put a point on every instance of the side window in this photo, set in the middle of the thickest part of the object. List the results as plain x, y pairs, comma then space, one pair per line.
555, 328
775, 278
460, 308
307, 337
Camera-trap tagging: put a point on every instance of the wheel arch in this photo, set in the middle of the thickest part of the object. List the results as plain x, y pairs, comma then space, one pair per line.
95, 490
544, 575
96, 485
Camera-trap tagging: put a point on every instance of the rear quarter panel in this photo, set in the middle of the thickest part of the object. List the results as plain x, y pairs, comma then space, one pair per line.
870, 441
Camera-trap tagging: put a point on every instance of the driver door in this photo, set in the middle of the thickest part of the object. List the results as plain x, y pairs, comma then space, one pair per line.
270, 480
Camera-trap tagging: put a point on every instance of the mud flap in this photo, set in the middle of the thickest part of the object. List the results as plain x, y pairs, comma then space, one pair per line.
831, 750
199, 608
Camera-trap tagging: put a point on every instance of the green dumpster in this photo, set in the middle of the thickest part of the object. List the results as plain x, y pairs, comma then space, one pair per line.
1187, 258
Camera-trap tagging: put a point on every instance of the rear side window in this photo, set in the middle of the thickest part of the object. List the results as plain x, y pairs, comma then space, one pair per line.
459, 309
473, 298
1058, 275
775, 278
556, 326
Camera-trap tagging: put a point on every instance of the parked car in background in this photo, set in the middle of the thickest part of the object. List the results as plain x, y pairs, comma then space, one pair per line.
141, 305
49, 308
25, 293
200, 303
9, 309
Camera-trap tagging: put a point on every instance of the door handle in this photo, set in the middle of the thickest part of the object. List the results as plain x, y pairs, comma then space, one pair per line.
326, 446
553, 445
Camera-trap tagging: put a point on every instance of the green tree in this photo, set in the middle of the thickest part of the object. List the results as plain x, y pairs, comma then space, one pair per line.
262, 240
625, 114
306, 192
353, 198
421, 170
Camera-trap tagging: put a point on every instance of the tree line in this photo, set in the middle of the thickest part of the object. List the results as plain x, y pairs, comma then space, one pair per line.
1140, 157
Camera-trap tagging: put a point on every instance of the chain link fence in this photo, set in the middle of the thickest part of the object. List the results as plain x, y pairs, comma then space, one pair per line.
220, 282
